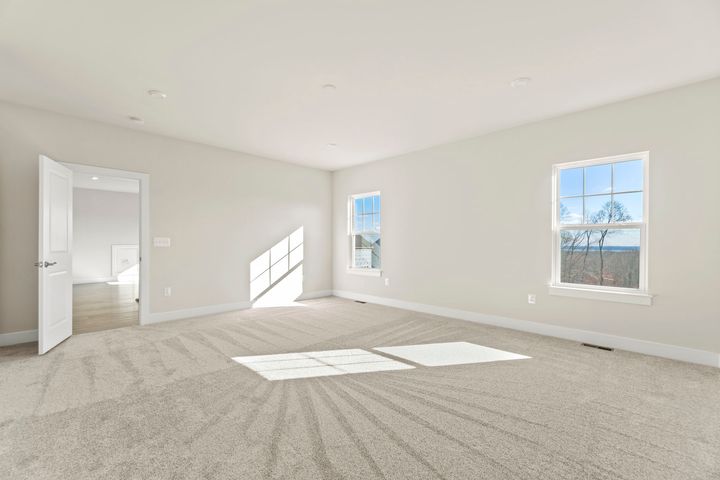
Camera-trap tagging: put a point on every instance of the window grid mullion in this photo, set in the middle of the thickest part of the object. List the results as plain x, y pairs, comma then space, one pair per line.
612, 191
600, 226
599, 194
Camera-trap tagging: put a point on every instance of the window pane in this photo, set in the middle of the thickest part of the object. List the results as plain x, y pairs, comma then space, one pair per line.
571, 182
357, 223
598, 209
598, 179
367, 223
608, 257
367, 205
571, 210
628, 176
376, 253
627, 207
376, 203
358, 206
367, 250
376, 222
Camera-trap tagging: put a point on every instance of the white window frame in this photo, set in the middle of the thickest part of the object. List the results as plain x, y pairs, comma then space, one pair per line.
641, 295
373, 272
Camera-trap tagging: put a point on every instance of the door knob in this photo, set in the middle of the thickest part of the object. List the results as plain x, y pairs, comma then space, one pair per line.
50, 264
38, 264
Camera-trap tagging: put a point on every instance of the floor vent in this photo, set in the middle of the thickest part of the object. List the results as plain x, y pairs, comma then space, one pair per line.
599, 347
360, 301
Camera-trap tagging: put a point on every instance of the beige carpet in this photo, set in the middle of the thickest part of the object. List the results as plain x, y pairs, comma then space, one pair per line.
167, 402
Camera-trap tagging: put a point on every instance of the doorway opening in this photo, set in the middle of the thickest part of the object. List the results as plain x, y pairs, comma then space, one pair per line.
105, 252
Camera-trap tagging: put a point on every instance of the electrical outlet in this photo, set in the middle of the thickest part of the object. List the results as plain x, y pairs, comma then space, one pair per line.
531, 298
167, 291
387, 282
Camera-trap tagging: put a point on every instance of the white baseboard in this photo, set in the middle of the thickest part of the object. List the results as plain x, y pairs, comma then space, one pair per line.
195, 312
15, 338
624, 343
216, 309
673, 352
84, 280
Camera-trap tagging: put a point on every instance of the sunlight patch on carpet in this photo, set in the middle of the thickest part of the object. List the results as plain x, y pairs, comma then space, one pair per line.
285, 366
452, 353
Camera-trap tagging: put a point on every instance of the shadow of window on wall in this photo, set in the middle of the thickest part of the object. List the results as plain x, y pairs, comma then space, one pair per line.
276, 276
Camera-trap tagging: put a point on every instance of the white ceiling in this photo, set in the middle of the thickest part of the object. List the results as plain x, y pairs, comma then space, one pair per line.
112, 184
247, 75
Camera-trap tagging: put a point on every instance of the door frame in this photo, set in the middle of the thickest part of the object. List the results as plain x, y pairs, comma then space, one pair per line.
144, 241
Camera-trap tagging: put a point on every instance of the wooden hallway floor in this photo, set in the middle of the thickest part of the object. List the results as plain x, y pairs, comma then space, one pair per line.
100, 306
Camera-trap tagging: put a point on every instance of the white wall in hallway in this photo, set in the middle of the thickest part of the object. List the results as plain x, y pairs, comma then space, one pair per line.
101, 219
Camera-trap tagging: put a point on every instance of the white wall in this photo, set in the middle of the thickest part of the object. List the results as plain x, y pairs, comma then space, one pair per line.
467, 225
482, 204
101, 219
220, 208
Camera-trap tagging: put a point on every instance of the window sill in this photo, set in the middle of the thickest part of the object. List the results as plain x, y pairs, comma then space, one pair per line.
638, 298
368, 272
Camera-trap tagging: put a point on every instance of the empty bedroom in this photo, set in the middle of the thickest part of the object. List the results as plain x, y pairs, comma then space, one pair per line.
334, 239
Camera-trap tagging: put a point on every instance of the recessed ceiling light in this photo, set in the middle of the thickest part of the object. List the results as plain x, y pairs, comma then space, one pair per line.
157, 94
520, 82
137, 120
329, 87
94, 178
332, 145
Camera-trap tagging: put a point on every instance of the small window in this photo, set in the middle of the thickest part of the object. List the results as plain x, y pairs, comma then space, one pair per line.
600, 224
364, 221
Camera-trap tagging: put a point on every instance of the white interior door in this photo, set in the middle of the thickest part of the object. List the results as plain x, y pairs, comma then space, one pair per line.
55, 262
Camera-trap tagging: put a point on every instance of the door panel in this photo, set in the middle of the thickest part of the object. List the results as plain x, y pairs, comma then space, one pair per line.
58, 213
55, 251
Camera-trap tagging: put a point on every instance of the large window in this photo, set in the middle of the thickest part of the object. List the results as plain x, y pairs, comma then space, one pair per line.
364, 223
600, 224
